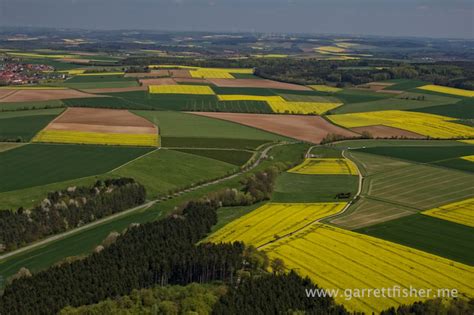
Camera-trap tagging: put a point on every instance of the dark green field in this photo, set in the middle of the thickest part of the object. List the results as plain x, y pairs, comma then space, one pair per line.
234, 157
191, 142
349, 96
292, 187
422, 154
406, 101
244, 91
432, 235
23, 128
40, 164
30, 105
463, 109
103, 102
98, 78
404, 84
459, 164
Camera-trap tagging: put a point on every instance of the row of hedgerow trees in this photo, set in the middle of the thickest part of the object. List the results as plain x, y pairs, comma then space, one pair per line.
68, 209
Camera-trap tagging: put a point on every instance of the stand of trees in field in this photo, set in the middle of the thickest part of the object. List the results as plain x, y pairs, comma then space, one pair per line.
339, 72
67, 209
161, 252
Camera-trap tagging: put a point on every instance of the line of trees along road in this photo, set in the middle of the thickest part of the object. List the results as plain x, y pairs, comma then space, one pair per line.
67, 209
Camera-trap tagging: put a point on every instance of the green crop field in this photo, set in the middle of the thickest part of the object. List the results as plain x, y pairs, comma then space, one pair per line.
244, 91
416, 186
433, 235
165, 170
458, 164
17, 106
358, 144
309, 98
234, 157
462, 109
98, 79
421, 154
23, 128
102, 102
404, 84
255, 107
348, 96
292, 187
5, 146
98, 85
398, 102
176, 124
83, 242
40, 164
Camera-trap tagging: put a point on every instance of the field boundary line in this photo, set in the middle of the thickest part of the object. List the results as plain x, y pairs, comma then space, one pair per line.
145, 206
135, 159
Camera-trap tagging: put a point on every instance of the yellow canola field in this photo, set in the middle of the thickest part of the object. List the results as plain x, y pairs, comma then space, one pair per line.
324, 88
461, 212
274, 220
467, 141
32, 55
279, 105
343, 260
305, 108
181, 89
447, 90
73, 71
469, 158
81, 137
434, 126
325, 166
211, 74
330, 49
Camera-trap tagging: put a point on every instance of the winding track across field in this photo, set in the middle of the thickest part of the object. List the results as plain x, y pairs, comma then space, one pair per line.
144, 206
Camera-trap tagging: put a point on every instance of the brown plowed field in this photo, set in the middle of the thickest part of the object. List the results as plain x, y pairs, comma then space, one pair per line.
44, 95
181, 73
101, 120
191, 80
306, 128
381, 131
258, 83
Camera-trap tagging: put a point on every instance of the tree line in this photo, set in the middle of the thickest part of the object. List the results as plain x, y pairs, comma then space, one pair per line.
67, 209
337, 72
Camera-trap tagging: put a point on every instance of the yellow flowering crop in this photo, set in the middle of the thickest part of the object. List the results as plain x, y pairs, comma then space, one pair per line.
73, 71
325, 166
467, 141
279, 105
343, 260
461, 212
274, 220
469, 158
211, 74
330, 49
305, 108
324, 88
81, 137
181, 89
447, 90
425, 124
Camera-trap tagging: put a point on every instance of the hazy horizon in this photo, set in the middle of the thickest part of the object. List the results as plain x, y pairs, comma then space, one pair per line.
403, 18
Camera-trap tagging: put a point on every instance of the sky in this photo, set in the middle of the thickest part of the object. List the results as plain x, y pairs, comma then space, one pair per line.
433, 18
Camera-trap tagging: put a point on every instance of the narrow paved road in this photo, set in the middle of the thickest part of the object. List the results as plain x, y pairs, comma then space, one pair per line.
144, 206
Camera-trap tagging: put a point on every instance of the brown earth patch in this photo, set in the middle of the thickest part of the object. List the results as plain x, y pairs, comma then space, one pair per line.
161, 81
180, 73
101, 120
381, 131
44, 95
390, 91
306, 128
147, 74
374, 86
190, 80
5, 93
116, 90
258, 83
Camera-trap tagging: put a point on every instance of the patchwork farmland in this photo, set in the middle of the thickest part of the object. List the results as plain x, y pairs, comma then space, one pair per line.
352, 203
